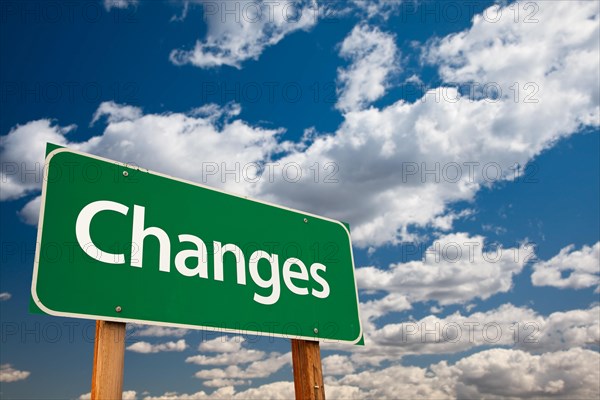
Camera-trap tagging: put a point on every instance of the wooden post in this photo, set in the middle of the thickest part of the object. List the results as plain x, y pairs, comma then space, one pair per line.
109, 357
308, 374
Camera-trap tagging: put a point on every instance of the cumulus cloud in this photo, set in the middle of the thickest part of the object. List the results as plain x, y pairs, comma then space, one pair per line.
110, 4
116, 112
435, 382
508, 325
377, 8
570, 268
456, 268
257, 369
146, 348
242, 356
500, 51
224, 383
5, 296
505, 373
395, 168
373, 59
231, 353
451, 334
30, 214
157, 331
269, 391
223, 344
245, 31
371, 310
494, 374
127, 395
337, 365
22, 154
9, 374
240, 364
401, 166
169, 143
561, 331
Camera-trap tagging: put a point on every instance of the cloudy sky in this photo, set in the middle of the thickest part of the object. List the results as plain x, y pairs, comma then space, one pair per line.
458, 139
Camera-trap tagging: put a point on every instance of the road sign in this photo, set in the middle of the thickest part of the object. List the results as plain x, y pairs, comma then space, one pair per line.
121, 243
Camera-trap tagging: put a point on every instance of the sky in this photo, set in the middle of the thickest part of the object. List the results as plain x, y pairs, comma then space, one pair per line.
458, 139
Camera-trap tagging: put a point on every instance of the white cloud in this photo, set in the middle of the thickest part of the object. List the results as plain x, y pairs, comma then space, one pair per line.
127, 395
435, 382
371, 310
374, 59
378, 8
110, 4
383, 155
337, 365
455, 269
9, 374
507, 325
175, 142
269, 391
30, 214
223, 344
492, 374
374, 309
374, 151
214, 111
22, 154
158, 331
145, 347
562, 330
169, 143
116, 112
242, 356
233, 355
582, 266
512, 373
184, 12
558, 53
257, 369
245, 32
193, 396
5, 296
224, 382
435, 310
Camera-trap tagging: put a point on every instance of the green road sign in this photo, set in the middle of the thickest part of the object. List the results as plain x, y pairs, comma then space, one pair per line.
125, 244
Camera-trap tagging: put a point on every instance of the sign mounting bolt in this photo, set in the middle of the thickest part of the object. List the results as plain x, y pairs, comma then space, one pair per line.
118, 309
316, 330
305, 220
125, 173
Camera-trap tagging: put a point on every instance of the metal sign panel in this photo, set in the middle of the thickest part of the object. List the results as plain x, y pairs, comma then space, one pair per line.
126, 244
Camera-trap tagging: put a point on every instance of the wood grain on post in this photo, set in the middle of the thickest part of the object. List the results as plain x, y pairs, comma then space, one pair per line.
308, 374
109, 357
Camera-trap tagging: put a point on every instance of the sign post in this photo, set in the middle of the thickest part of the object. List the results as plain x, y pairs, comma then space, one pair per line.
308, 374
109, 357
121, 244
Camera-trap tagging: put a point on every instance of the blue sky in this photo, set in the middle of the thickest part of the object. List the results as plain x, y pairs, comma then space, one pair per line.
441, 125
